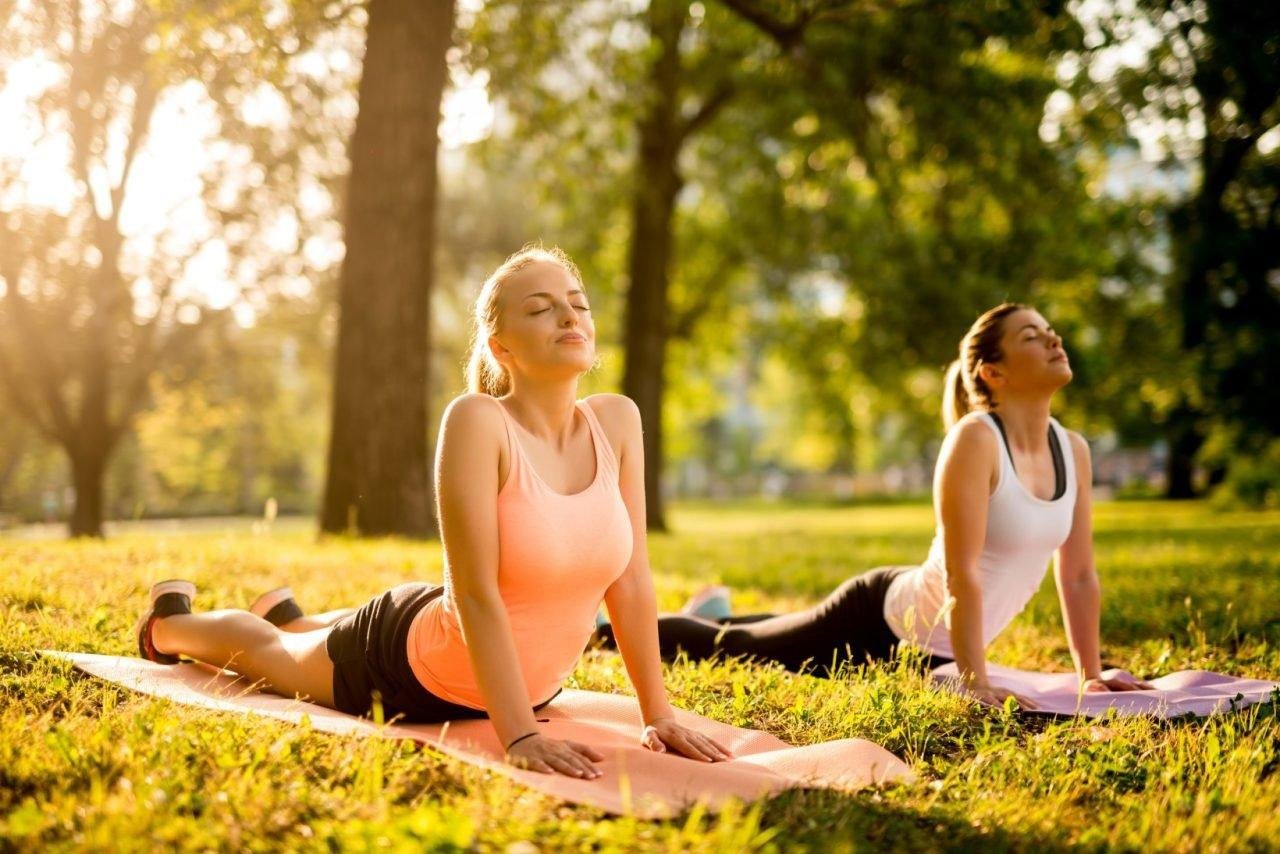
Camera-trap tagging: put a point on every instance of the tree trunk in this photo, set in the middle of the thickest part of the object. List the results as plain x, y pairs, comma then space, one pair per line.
88, 470
91, 442
378, 479
657, 183
1185, 439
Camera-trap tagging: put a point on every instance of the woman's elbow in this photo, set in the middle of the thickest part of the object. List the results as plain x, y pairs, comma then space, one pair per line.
478, 604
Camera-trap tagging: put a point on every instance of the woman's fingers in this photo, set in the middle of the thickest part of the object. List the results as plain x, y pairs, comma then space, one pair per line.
724, 751
1126, 683
549, 756
710, 749
535, 765
690, 745
574, 765
695, 745
586, 750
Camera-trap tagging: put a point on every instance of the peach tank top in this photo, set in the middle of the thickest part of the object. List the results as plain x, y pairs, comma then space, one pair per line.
557, 555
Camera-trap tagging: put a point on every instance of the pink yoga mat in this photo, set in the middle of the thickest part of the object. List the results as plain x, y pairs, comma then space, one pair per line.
636, 781
1198, 692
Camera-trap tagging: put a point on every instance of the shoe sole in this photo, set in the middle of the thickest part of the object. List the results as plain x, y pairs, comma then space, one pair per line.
173, 585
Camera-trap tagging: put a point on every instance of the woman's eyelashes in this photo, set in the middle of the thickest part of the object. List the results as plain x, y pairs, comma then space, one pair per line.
548, 308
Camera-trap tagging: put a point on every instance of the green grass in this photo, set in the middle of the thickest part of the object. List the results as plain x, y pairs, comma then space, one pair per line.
84, 764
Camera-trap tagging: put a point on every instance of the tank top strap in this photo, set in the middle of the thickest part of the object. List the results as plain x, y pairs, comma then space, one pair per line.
514, 454
1068, 455
604, 449
1006, 453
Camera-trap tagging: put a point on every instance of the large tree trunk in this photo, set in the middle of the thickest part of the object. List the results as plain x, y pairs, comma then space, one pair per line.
91, 442
1202, 229
657, 182
88, 470
378, 478
1185, 439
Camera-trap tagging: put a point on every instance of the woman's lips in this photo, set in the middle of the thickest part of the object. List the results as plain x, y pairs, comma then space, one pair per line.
571, 338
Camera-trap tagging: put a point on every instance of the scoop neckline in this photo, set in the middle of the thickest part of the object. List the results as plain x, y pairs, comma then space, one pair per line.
1013, 469
595, 450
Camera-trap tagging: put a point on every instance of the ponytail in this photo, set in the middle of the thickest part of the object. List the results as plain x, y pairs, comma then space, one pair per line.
955, 399
964, 389
485, 375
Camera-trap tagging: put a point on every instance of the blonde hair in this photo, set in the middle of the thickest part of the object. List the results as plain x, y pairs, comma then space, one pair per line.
485, 374
964, 389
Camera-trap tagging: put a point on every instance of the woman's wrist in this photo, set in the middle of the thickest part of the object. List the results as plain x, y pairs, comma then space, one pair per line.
515, 741
664, 713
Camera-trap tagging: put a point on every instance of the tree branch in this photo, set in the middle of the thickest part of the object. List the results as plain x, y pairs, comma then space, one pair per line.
712, 104
144, 104
49, 379
788, 34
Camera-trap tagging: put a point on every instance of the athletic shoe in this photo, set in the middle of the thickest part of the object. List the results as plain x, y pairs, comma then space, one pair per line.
709, 603
167, 599
277, 607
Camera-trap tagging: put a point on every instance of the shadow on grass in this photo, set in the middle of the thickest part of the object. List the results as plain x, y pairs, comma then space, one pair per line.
824, 820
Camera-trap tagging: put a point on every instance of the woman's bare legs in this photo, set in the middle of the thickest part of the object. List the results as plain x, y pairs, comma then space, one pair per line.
291, 663
311, 622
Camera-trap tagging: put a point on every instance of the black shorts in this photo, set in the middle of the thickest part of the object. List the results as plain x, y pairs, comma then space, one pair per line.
369, 651
370, 654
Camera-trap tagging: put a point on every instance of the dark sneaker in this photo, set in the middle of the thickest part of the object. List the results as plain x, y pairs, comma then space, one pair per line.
167, 598
277, 607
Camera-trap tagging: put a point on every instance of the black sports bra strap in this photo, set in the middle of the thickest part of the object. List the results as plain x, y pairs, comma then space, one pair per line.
1055, 451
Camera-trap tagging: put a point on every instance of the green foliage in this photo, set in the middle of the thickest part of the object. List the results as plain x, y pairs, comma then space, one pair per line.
1199, 83
874, 178
1253, 480
89, 765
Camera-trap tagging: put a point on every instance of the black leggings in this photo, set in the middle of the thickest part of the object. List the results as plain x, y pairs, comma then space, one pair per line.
847, 626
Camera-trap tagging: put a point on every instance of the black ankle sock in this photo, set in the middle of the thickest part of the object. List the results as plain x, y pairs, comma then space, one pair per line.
284, 612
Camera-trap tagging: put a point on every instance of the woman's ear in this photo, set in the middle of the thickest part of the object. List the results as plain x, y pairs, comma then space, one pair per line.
991, 374
500, 354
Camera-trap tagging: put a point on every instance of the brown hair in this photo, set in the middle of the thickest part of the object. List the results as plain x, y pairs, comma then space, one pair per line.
484, 373
964, 389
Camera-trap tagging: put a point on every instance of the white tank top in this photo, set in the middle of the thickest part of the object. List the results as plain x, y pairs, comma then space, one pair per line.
1023, 532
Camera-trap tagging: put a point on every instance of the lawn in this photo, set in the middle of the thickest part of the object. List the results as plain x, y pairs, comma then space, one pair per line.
87, 765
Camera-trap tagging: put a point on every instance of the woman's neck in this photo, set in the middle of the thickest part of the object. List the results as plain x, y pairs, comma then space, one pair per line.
1026, 420
545, 410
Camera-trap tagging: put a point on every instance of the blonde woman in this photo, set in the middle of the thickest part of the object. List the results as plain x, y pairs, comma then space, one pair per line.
541, 504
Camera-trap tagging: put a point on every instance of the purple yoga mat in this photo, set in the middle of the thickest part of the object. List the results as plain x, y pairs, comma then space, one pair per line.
1196, 692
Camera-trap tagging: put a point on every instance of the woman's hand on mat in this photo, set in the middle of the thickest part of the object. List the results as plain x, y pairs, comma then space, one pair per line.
994, 695
1120, 682
663, 733
554, 756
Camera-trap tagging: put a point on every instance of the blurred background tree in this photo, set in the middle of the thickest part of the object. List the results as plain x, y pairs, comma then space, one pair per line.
378, 480
1197, 84
99, 291
847, 184
788, 212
